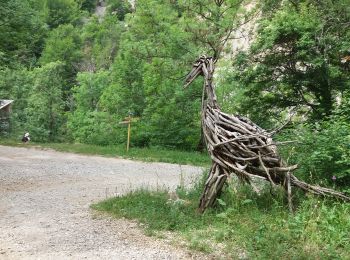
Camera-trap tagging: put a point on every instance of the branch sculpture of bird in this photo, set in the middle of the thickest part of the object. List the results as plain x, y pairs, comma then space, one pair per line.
237, 145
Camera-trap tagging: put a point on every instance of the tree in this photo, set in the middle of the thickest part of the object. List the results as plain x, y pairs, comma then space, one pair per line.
211, 23
87, 93
101, 41
120, 8
45, 111
22, 29
172, 114
15, 84
88, 5
62, 12
146, 78
125, 93
88, 124
64, 45
296, 59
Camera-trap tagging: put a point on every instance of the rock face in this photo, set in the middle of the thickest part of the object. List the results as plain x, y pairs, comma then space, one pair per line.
133, 3
242, 38
100, 10
244, 35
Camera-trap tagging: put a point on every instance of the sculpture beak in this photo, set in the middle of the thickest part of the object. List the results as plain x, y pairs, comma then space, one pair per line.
192, 75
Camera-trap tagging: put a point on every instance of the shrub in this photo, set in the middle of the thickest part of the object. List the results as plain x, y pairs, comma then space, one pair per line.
323, 149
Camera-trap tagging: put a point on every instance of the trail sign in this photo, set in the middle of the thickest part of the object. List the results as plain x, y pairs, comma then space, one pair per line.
127, 121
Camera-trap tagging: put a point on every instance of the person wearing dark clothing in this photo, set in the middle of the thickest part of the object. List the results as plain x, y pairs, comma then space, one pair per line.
26, 138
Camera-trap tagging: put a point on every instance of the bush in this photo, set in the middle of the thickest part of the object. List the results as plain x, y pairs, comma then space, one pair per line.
94, 127
323, 149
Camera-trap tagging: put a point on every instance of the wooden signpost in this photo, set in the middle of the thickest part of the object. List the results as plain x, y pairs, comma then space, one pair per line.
127, 120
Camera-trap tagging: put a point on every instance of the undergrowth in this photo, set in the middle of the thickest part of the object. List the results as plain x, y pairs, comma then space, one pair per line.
243, 224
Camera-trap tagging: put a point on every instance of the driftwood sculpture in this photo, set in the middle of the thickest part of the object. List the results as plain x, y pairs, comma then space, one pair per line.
237, 145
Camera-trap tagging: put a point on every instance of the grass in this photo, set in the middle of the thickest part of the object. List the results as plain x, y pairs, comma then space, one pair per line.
143, 154
244, 224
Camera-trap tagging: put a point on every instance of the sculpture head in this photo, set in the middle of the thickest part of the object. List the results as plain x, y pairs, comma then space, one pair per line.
197, 69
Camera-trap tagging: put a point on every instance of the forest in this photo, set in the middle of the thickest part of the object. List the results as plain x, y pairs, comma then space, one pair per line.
75, 72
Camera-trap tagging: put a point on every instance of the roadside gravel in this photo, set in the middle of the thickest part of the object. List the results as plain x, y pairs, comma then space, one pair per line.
44, 206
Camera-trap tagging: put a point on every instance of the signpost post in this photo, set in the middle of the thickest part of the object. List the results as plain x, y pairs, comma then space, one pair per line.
127, 120
129, 132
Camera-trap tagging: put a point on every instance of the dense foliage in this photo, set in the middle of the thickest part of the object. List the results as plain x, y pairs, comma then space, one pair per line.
76, 72
296, 60
297, 67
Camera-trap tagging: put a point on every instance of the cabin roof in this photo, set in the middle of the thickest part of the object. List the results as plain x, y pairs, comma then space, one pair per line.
5, 103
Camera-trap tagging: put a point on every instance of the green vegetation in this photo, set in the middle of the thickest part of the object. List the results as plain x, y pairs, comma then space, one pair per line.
133, 61
147, 154
323, 149
75, 75
244, 224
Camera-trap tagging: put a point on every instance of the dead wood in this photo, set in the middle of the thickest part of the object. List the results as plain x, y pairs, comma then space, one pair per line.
239, 146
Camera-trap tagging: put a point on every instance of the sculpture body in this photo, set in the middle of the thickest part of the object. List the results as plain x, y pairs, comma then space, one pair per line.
237, 145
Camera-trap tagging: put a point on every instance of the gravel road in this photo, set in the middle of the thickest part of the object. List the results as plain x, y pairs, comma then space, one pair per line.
44, 206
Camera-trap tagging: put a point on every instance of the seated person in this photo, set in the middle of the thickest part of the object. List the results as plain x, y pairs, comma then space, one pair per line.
26, 138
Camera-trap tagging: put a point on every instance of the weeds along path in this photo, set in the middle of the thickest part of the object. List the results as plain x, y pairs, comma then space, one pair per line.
45, 198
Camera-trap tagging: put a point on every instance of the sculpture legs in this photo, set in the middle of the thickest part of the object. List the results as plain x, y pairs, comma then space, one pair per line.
213, 187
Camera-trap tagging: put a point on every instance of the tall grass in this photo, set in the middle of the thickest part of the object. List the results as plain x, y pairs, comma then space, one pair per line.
243, 224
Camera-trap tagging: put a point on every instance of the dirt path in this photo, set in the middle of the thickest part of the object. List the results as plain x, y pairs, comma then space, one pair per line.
45, 198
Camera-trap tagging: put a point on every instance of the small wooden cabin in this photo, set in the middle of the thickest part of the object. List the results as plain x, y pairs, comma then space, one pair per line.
5, 111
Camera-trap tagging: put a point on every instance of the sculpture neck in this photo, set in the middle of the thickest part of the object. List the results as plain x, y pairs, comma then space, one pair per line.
208, 72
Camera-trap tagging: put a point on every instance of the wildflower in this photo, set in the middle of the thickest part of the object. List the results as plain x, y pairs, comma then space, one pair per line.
334, 178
